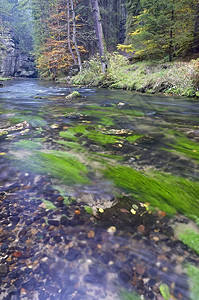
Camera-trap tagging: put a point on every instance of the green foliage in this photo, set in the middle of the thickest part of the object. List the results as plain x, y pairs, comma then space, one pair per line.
161, 28
178, 78
193, 274
191, 239
167, 192
164, 289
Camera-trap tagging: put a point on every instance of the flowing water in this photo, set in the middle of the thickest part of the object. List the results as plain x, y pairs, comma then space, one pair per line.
75, 177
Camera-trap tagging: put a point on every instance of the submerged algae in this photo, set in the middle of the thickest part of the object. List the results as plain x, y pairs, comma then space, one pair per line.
57, 164
190, 238
193, 274
167, 192
185, 146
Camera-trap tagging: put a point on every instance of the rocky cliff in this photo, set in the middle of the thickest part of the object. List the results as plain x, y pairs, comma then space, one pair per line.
13, 61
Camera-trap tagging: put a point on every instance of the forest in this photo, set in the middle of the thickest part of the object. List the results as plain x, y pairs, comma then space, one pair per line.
62, 34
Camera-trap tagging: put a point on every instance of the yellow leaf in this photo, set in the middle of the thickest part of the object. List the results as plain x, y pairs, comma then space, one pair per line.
101, 210
133, 211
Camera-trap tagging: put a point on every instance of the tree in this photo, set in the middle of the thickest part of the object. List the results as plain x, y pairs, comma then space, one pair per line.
162, 27
99, 34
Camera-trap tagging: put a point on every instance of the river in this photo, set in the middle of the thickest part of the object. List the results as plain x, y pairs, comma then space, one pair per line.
94, 192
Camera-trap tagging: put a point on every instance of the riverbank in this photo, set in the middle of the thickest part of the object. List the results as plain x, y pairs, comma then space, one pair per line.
177, 78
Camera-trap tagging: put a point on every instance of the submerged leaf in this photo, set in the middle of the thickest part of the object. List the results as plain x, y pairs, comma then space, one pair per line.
164, 289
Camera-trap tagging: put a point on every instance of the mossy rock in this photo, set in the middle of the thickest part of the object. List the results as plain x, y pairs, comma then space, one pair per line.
73, 95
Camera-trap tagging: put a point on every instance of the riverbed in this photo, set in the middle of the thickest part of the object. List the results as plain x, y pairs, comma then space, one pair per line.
94, 192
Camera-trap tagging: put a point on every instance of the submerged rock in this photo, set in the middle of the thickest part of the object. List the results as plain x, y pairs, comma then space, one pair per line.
3, 270
73, 95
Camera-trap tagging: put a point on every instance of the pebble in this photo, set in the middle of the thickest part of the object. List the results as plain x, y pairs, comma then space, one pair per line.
55, 223
3, 270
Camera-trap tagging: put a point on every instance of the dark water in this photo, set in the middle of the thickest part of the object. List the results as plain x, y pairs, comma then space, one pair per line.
79, 256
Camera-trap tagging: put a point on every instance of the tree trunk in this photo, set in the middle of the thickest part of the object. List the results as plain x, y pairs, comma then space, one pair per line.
68, 26
196, 30
99, 34
75, 37
171, 37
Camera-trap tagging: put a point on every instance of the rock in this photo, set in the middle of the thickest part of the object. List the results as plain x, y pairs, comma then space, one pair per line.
3, 270
14, 219
73, 95
72, 254
29, 285
15, 62
64, 220
54, 222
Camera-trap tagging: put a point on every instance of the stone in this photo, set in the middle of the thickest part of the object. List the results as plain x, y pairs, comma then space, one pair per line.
54, 222
29, 285
15, 62
72, 254
3, 270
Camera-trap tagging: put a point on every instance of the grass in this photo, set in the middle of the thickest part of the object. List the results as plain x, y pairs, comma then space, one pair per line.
167, 192
176, 78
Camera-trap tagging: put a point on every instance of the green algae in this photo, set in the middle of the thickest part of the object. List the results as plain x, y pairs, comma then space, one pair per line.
34, 121
193, 274
104, 116
57, 164
72, 131
126, 295
133, 138
102, 138
72, 145
185, 146
27, 144
111, 156
190, 238
167, 192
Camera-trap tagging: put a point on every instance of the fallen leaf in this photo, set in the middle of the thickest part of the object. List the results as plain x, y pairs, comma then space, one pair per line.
101, 210
91, 234
123, 210
133, 211
34, 231
17, 254
77, 212
111, 229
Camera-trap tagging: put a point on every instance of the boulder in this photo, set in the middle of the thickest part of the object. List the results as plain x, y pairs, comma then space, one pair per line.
13, 61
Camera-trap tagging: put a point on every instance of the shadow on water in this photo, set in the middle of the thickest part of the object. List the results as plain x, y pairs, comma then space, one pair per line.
76, 178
